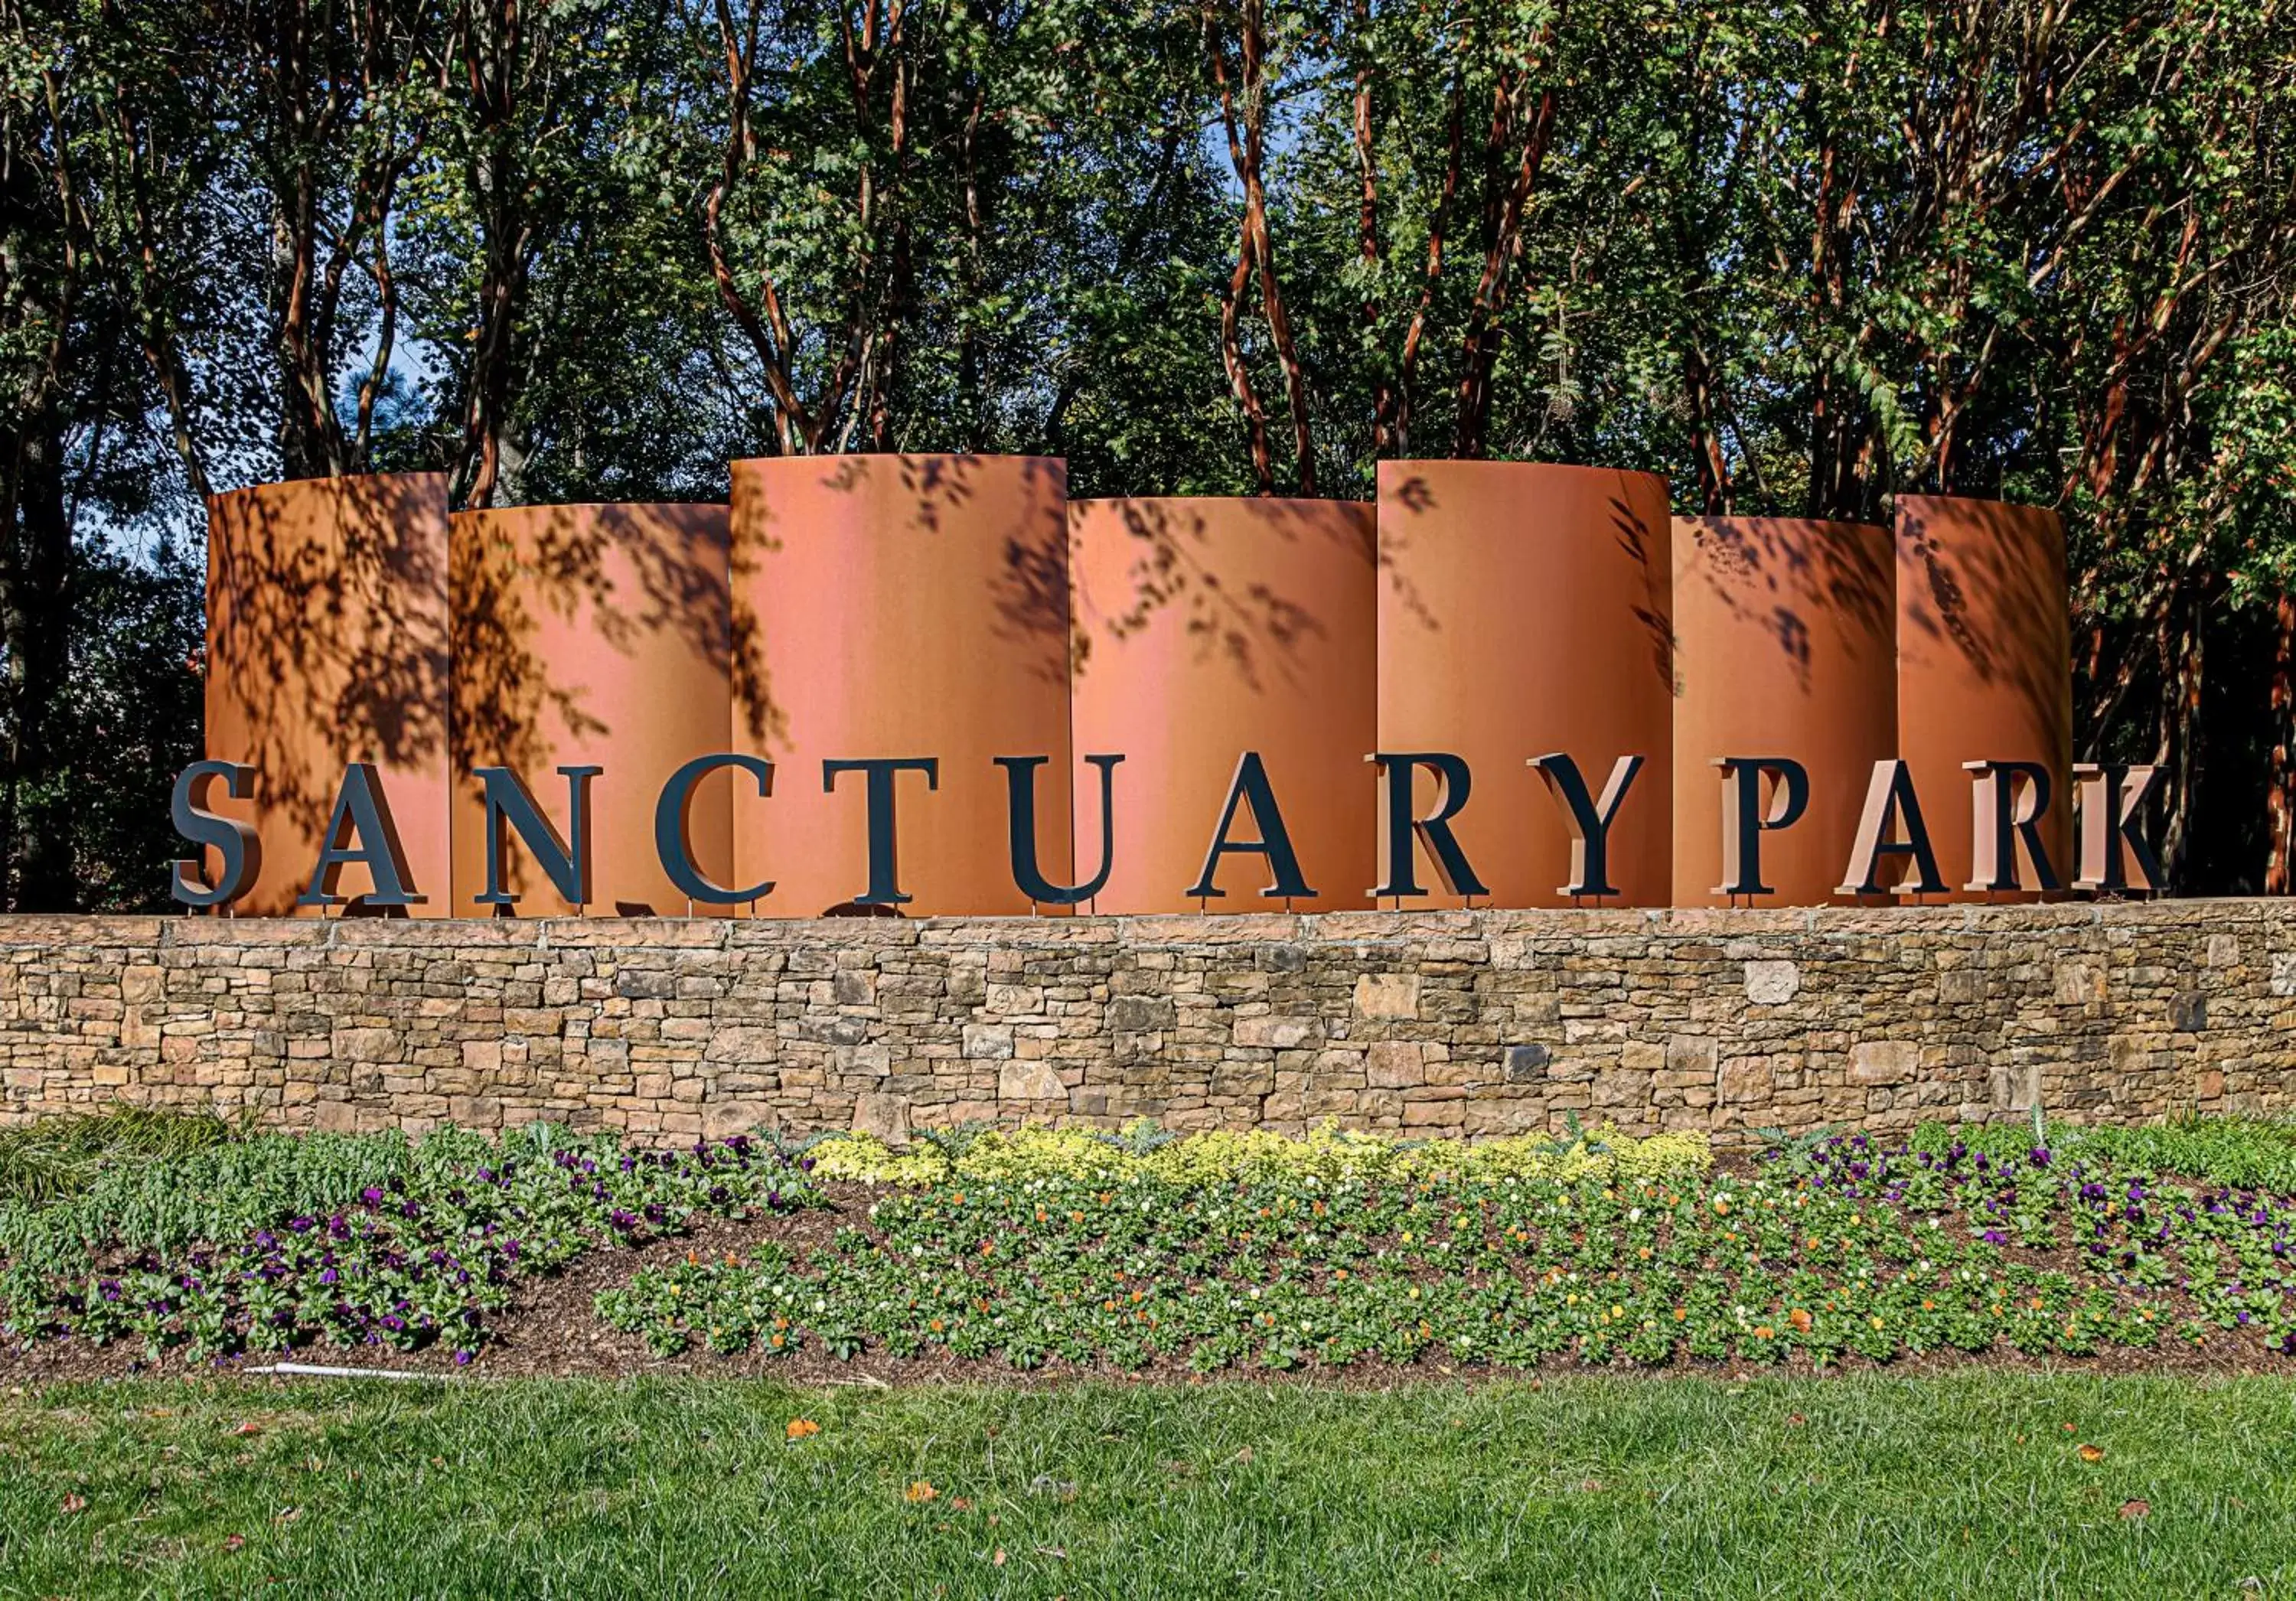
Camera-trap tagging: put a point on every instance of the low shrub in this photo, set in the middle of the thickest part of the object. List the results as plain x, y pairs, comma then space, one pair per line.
1328, 1154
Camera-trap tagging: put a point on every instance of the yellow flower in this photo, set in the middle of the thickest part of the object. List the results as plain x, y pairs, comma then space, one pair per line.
919, 1492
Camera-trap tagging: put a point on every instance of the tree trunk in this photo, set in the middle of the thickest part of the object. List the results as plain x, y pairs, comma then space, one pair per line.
2281, 799
34, 577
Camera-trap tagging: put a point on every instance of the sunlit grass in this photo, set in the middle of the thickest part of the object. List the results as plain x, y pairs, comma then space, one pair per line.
1974, 1484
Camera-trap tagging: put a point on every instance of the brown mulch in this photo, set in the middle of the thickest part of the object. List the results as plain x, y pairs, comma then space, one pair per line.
550, 1330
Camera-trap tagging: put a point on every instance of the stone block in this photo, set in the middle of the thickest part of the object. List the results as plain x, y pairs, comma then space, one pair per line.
2080, 983
1745, 1081
1140, 1013
365, 1045
1882, 1062
1394, 1064
1525, 1064
1387, 995
1692, 1054
1772, 983
987, 1042
1277, 1033
887, 1117
1029, 1081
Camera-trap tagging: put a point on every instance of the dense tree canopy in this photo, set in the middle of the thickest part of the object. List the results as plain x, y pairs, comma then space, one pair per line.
1796, 255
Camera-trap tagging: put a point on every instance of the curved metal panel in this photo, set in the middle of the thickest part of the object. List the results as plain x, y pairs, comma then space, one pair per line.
1984, 664
592, 636
1523, 609
327, 645
896, 607
1206, 627
1784, 646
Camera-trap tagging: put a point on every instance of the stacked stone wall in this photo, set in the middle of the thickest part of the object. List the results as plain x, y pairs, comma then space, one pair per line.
1420, 1024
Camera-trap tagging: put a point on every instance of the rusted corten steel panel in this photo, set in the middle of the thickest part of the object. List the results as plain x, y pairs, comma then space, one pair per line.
1523, 609
327, 645
1204, 628
891, 607
1784, 646
1984, 664
592, 636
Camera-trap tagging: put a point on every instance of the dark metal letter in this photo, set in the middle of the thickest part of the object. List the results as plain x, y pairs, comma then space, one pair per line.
2111, 797
361, 813
237, 843
1020, 780
2001, 822
1745, 819
509, 802
1889, 797
669, 822
1453, 782
884, 836
1274, 843
1589, 820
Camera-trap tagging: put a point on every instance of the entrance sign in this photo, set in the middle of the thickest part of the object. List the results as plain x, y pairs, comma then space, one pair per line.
1506, 684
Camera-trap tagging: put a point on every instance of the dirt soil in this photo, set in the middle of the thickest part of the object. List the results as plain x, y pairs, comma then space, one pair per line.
550, 1330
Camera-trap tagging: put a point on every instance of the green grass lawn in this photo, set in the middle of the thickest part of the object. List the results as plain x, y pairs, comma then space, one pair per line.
1972, 1485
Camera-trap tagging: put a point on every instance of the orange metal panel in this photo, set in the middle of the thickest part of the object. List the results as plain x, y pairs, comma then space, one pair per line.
1204, 628
1784, 645
1984, 663
890, 607
1523, 609
592, 636
326, 645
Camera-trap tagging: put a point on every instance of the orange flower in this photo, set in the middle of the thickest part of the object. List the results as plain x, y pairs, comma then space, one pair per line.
919, 1492
802, 1428
1764, 1331
1800, 1319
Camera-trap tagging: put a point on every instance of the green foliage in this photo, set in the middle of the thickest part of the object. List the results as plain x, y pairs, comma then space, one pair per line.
1250, 1252
1799, 259
53, 1158
2248, 1152
276, 1241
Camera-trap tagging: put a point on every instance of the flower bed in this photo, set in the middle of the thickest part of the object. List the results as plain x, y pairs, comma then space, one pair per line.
279, 1242
1039, 1252
1081, 1251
